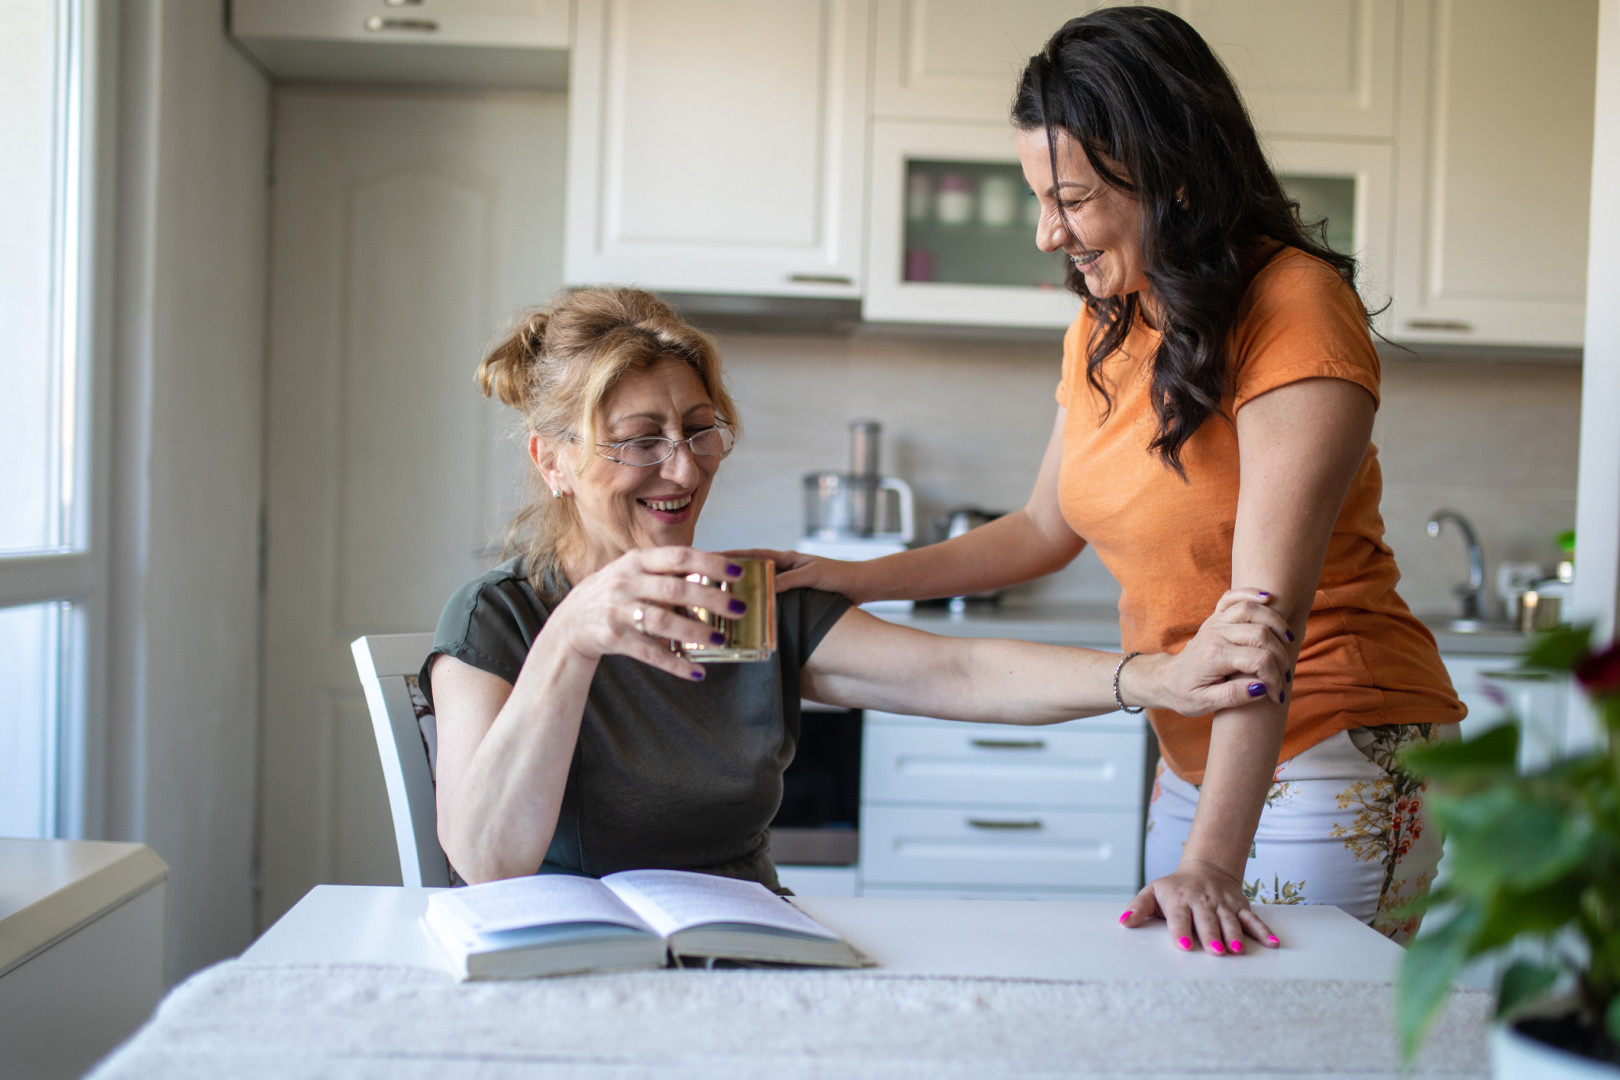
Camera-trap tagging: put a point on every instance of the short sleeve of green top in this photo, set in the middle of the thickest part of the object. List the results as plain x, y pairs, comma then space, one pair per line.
667, 773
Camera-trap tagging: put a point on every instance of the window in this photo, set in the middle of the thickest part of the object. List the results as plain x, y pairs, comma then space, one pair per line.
51, 575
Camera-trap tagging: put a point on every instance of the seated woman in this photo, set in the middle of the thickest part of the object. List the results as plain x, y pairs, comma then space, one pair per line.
571, 737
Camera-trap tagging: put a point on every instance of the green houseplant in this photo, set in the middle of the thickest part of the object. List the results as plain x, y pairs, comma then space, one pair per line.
1534, 859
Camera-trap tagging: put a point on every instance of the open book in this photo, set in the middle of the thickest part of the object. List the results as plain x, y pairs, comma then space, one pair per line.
553, 924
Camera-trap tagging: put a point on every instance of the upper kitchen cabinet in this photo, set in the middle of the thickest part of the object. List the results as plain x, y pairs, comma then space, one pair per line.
1494, 171
718, 146
477, 43
1308, 68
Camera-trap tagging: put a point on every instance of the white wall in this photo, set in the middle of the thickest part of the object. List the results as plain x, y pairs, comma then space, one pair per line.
188, 460
1597, 524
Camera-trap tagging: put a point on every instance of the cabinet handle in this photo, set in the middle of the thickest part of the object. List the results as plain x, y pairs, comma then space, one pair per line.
986, 823
1010, 744
1438, 324
423, 26
403, 3
1521, 676
820, 279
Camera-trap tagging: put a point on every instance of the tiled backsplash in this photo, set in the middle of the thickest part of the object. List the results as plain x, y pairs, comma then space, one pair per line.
966, 423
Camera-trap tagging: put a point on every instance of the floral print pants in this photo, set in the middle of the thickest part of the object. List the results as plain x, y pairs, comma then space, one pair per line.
1343, 824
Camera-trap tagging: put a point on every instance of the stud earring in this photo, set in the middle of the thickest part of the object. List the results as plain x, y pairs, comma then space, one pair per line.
555, 494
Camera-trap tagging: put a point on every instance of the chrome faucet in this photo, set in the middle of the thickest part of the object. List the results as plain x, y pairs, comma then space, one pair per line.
1469, 593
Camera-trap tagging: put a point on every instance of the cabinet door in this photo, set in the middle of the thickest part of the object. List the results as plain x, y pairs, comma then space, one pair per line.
930, 262
718, 146
1497, 691
1495, 166
1324, 67
1306, 67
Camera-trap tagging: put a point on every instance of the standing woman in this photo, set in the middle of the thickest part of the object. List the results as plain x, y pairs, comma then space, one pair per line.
1212, 432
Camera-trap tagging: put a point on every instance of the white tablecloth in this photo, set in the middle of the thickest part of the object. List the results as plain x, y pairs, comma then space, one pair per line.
246, 1020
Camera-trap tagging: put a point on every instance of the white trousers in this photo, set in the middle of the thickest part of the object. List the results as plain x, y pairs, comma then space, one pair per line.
1343, 824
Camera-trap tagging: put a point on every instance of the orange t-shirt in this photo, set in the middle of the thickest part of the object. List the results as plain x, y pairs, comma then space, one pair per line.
1365, 659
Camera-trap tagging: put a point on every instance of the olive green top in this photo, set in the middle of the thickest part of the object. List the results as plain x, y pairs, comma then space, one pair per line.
667, 773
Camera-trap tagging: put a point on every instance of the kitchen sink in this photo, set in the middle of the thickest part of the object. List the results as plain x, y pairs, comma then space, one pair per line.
1448, 625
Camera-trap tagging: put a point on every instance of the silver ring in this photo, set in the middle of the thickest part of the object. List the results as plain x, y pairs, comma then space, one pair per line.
639, 618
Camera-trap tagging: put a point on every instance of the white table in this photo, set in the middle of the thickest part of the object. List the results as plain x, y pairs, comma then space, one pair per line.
1018, 939
346, 985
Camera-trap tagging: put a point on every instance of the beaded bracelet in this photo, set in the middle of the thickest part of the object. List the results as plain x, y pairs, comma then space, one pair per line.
1119, 701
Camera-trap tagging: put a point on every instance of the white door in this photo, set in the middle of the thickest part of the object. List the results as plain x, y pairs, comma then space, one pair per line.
718, 145
406, 227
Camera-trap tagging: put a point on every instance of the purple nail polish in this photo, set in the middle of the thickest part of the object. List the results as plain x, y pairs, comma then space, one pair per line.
717, 638
1257, 689
697, 674
1237, 946
1288, 676
733, 570
1289, 634
1282, 698
1186, 944
1217, 948
738, 607
1265, 596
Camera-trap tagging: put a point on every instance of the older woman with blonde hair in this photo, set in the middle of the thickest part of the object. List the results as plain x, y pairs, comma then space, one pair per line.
573, 739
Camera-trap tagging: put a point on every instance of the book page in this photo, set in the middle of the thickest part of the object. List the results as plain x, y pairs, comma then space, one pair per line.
538, 900
672, 900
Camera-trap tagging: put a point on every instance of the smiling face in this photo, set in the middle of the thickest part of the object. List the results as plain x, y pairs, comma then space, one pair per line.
625, 506
1098, 226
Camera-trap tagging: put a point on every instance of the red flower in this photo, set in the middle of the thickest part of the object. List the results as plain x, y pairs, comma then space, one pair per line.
1600, 672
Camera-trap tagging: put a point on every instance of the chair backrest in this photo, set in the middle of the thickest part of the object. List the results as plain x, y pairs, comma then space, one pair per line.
407, 742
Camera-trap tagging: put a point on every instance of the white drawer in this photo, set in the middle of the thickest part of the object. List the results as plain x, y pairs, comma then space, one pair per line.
998, 764
1000, 847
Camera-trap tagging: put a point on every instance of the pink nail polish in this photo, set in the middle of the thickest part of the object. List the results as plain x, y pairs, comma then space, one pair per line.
1237, 946
1217, 948
1186, 944
1125, 916
1271, 939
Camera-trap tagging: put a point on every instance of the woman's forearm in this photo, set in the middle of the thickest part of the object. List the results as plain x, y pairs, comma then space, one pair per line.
497, 819
1010, 550
1243, 748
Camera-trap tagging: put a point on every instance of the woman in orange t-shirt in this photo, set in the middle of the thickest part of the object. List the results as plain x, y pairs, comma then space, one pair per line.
1212, 444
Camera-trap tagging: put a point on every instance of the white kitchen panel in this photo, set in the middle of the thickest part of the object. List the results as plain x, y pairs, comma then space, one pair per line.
1002, 764
718, 146
986, 847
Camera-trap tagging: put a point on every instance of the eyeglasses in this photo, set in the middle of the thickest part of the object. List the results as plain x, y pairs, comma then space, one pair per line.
715, 441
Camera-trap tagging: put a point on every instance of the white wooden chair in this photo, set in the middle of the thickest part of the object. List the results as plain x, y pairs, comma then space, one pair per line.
407, 742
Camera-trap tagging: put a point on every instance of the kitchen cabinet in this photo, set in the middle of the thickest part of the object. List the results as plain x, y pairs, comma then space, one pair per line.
994, 810
1495, 165
1498, 691
1311, 70
485, 43
718, 146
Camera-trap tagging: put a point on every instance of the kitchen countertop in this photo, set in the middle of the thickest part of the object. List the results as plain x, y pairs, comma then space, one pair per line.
50, 888
1097, 626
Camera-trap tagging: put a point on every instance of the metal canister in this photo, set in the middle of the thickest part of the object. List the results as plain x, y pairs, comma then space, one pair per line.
749, 636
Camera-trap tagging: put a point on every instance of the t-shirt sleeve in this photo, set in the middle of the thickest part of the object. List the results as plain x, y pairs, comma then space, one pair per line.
1074, 360
1299, 320
488, 624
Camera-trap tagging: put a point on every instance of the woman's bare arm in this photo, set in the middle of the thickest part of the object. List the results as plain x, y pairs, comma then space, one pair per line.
1300, 446
1014, 548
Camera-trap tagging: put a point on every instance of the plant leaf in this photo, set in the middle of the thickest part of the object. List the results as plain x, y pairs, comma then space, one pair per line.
1511, 913
1492, 753
1614, 1019
1523, 982
1510, 837
1559, 650
1431, 962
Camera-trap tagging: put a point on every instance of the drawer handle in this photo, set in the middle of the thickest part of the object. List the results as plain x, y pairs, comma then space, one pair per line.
820, 279
424, 26
986, 823
1438, 324
403, 3
1010, 744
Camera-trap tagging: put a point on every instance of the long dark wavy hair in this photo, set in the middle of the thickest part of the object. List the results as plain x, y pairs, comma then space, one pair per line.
1159, 118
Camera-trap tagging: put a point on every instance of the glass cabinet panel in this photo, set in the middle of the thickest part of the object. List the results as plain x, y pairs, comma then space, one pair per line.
973, 223
1330, 199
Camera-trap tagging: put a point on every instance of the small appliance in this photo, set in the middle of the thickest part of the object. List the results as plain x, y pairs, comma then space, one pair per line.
859, 514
